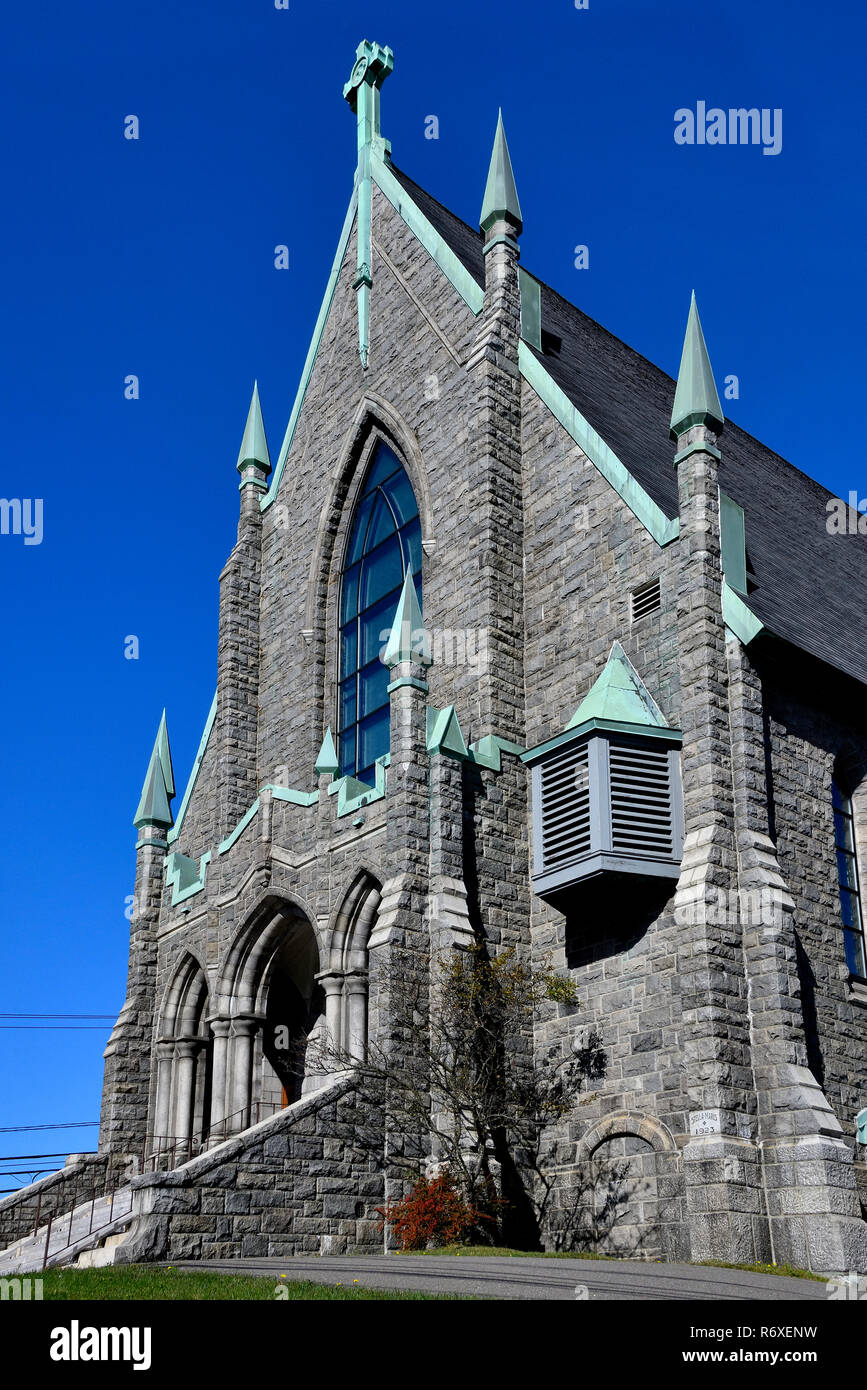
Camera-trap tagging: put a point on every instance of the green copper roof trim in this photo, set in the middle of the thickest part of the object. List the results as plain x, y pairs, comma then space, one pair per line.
254, 445
738, 617
184, 876
403, 640
662, 529
253, 482
619, 695
363, 281
487, 752
501, 196
408, 680
501, 240
698, 447
327, 762
151, 844
455, 272
236, 834
312, 351
197, 763
696, 401
444, 732
531, 309
352, 794
290, 795
733, 543
609, 726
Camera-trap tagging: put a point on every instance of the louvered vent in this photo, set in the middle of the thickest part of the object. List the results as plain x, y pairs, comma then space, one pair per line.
605, 803
565, 810
645, 600
641, 800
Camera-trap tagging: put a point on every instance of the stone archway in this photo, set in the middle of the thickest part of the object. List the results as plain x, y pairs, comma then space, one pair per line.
268, 1002
627, 1185
184, 1064
346, 977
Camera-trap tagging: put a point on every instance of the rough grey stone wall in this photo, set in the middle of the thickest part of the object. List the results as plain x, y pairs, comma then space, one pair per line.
300, 1183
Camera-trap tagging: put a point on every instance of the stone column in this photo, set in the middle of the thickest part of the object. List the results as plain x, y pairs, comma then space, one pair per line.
449, 923
726, 1208
332, 983
165, 1052
124, 1115
186, 1050
220, 1029
236, 726
355, 987
244, 1029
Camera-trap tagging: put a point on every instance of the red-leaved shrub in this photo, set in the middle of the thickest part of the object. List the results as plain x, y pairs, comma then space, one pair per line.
433, 1213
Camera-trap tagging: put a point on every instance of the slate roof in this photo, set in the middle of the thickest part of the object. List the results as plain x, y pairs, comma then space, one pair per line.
805, 585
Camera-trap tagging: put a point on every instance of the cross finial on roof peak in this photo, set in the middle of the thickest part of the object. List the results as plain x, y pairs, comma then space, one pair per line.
373, 63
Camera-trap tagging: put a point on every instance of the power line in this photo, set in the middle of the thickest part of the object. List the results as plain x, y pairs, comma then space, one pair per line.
18, 1158
70, 1124
22, 1172
109, 1016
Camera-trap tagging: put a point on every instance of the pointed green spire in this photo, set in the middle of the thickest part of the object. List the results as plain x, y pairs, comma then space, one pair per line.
165, 755
254, 445
407, 640
326, 763
619, 696
501, 195
696, 401
159, 785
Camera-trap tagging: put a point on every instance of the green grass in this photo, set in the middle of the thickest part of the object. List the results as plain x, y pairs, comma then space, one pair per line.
152, 1283
791, 1271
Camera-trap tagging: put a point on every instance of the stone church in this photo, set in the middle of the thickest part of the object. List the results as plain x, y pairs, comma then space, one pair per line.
519, 643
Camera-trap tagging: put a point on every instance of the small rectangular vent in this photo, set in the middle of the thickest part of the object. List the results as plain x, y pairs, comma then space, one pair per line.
565, 807
641, 810
645, 600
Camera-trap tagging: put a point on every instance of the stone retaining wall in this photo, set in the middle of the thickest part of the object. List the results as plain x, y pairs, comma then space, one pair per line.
306, 1181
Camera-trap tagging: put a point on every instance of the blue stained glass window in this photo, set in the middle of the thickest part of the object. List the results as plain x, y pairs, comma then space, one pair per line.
847, 878
385, 542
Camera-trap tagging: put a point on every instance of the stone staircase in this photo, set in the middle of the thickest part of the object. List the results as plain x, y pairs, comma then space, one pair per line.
91, 1225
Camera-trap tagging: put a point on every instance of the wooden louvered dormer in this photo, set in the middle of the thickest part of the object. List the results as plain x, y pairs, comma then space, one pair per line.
606, 792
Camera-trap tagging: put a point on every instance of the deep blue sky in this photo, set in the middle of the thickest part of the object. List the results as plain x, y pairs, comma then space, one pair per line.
155, 257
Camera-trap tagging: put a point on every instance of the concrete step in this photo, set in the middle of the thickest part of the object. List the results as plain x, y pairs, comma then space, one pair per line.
89, 1224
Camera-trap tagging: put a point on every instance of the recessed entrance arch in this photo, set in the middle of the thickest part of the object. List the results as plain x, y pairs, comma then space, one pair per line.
268, 1003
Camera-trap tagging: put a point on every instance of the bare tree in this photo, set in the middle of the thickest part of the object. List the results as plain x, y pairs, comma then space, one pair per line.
460, 1084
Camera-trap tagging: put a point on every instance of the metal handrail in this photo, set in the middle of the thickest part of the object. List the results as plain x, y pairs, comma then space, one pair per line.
171, 1148
94, 1199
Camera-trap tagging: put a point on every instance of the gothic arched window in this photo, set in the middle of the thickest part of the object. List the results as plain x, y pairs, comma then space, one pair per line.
851, 905
385, 542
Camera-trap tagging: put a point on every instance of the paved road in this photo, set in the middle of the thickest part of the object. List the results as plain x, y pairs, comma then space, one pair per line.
499, 1276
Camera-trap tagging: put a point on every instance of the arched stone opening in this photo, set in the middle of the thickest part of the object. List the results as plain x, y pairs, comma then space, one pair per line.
624, 1195
269, 1004
346, 978
184, 1065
